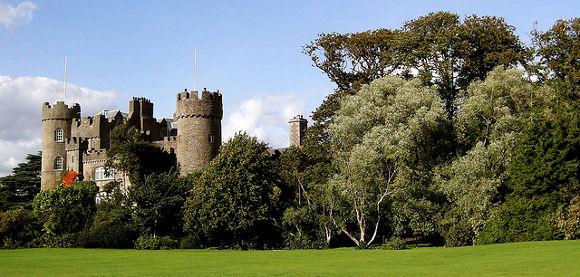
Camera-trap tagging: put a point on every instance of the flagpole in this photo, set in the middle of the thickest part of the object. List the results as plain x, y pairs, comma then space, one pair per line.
195, 70
65, 63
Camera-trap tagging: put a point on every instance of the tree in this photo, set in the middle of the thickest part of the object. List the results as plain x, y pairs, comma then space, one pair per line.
113, 225
558, 51
543, 180
382, 136
492, 116
235, 202
132, 155
18, 189
498, 105
438, 48
158, 203
65, 211
305, 220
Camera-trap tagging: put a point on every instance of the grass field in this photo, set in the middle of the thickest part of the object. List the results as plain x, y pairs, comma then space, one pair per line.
553, 258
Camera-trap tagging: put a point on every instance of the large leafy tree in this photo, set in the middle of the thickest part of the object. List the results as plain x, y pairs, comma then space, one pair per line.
305, 220
18, 189
66, 210
543, 180
158, 202
384, 136
235, 202
132, 155
438, 48
558, 51
489, 124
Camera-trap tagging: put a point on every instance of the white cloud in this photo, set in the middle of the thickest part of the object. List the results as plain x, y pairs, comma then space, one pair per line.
20, 105
265, 117
11, 16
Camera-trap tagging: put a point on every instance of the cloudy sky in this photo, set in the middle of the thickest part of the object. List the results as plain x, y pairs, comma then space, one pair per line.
249, 50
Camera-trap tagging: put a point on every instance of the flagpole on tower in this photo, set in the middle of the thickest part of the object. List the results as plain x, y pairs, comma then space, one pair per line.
195, 70
65, 63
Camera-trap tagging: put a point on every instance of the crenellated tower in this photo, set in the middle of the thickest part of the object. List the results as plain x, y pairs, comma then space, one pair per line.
199, 132
56, 129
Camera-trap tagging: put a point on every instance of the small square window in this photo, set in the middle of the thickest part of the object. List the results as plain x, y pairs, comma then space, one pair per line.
211, 138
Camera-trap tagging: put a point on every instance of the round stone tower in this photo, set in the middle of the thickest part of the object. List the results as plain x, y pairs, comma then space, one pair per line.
56, 129
199, 130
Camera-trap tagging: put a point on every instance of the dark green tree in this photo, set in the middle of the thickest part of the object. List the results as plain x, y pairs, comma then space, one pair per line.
235, 202
158, 202
544, 177
305, 220
18, 228
131, 154
112, 226
18, 189
63, 212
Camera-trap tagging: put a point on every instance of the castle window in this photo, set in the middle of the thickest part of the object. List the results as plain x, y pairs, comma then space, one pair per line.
101, 174
211, 138
58, 163
59, 135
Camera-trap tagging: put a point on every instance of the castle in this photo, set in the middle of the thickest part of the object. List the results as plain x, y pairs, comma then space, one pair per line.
72, 143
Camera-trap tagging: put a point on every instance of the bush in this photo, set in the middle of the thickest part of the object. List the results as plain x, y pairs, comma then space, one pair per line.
191, 241
18, 228
155, 243
394, 243
67, 240
108, 235
457, 231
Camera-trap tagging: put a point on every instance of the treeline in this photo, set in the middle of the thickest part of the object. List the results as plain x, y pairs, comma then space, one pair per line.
443, 132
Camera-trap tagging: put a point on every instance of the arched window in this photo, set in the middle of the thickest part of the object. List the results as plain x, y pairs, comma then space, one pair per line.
58, 163
101, 174
59, 135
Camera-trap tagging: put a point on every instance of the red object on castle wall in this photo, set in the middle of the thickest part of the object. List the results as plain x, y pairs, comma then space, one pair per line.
69, 178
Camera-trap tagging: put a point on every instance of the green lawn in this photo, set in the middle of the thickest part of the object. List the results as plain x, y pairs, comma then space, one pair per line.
554, 258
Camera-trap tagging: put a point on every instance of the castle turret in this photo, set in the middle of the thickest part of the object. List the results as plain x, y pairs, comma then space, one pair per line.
141, 116
199, 132
56, 129
297, 130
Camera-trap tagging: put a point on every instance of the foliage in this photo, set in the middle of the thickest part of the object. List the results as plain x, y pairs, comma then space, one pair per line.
567, 218
543, 178
305, 221
382, 137
18, 228
558, 51
64, 211
157, 204
498, 105
437, 48
18, 189
155, 243
131, 154
395, 243
112, 226
235, 202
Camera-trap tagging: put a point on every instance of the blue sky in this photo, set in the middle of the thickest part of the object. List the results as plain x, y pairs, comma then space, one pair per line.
250, 50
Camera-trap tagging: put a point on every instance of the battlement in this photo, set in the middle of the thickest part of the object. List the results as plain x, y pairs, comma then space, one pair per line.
141, 99
60, 111
76, 143
189, 104
94, 156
